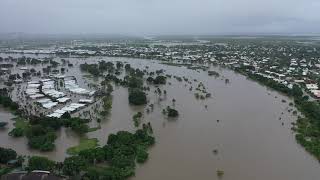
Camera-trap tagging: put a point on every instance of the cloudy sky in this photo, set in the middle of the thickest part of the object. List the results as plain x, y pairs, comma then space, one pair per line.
153, 17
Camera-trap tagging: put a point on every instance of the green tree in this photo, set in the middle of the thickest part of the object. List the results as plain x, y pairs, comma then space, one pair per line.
7, 155
135, 82
137, 97
40, 163
160, 80
73, 165
296, 91
172, 112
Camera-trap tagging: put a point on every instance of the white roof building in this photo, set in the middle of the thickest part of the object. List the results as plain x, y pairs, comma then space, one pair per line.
63, 100
43, 101
55, 115
86, 101
316, 93
49, 105
23, 68
312, 86
36, 96
33, 85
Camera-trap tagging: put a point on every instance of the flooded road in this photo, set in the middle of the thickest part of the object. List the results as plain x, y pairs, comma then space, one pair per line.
250, 140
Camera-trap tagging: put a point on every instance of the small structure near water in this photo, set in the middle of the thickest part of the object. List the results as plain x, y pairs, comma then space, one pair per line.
34, 175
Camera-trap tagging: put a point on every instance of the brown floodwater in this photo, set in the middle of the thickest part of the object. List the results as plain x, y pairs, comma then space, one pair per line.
251, 141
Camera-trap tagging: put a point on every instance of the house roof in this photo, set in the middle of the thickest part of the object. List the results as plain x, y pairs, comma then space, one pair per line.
35, 175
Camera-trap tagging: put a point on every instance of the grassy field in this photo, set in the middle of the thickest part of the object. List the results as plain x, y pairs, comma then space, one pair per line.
94, 128
84, 144
20, 123
20, 127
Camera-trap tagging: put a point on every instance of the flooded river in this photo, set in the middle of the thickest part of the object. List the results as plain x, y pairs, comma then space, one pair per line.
250, 140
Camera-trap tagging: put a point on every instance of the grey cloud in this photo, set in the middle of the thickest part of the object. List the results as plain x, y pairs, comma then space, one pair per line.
160, 16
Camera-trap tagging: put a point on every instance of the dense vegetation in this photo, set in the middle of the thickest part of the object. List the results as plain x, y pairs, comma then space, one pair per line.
116, 160
6, 101
77, 124
90, 68
121, 152
137, 97
273, 84
16, 132
40, 163
135, 88
133, 80
6, 155
308, 127
41, 138
21, 125
157, 80
40, 131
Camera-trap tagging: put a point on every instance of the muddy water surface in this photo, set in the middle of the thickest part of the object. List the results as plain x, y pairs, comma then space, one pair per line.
251, 142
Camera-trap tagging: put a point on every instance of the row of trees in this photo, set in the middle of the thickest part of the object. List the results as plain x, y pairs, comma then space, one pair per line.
308, 127
134, 82
157, 80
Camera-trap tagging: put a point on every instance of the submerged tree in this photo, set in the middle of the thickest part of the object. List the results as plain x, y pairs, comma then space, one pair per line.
172, 112
137, 97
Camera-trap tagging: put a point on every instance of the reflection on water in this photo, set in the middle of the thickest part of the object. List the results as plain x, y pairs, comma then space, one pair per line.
250, 140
